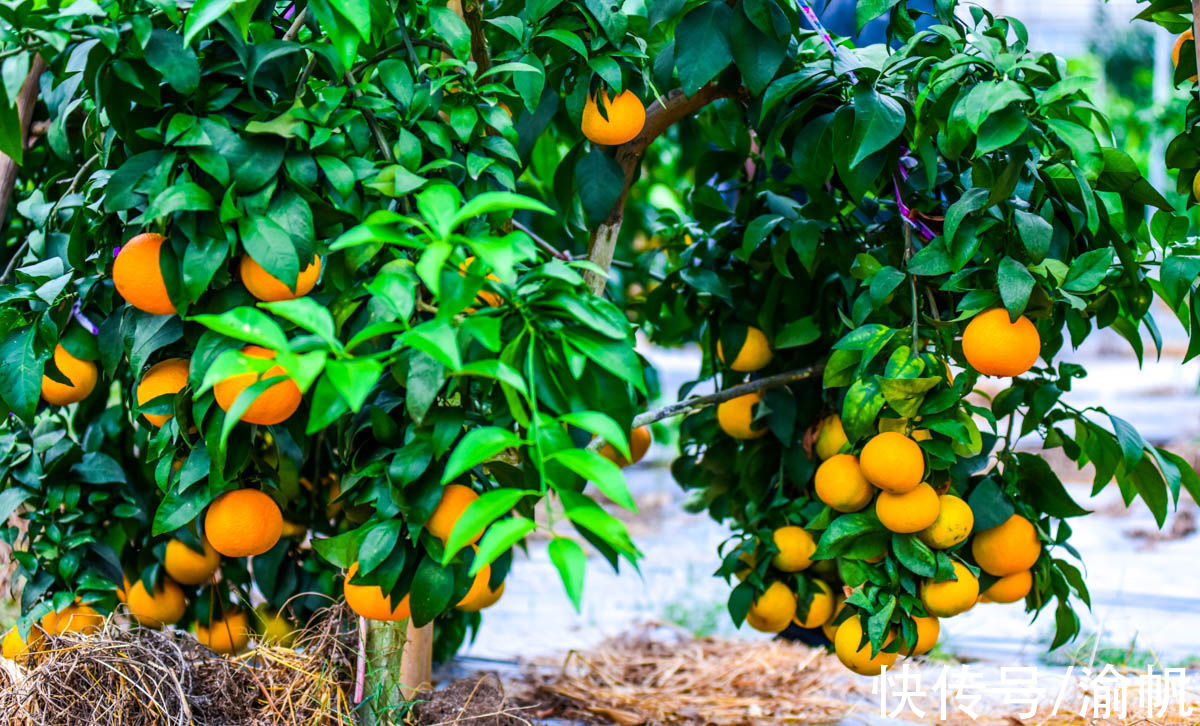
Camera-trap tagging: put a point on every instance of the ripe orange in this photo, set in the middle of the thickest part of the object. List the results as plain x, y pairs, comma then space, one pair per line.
820, 608
1009, 588
840, 484
928, 630
1175, 51
479, 589
949, 598
1196, 187
483, 602
165, 607
485, 297
909, 512
455, 500
268, 288
370, 602
73, 619
846, 645
138, 276
273, 628
274, 405
243, 522
829, 628
953, 524
189, 567
16, 649
796, 547
226, 635
893, 462
773, 610
639, 444
164, 377
626, 117
754, 355
831, 437
1008, 548
81, 373
736, 417
996, 347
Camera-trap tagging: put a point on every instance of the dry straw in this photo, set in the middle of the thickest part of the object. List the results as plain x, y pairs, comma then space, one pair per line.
135, 677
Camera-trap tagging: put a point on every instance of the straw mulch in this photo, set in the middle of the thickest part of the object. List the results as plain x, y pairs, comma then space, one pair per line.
136, 677
659, 676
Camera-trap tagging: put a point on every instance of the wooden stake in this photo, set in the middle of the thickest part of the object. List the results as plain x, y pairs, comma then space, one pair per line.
25, 101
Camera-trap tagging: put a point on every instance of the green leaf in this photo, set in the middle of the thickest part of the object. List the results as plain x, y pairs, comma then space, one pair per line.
10, 499
878, 121
914, 555
179, 507
378, 544
202, 14
798, 332
99, 468
1016, 283
308, 314
702, 45
499, 538
571, 563
611, 19
990, 504
21, 372
476, 447
601, 425
168, 54
971, 201
867, 10
489, 202
600, 182
842, 532
431, 591
354, 379
1035, 232
186, 197
756, 54
452, 29
248, 324
1088, 270
595, 468
271, 247
489, 507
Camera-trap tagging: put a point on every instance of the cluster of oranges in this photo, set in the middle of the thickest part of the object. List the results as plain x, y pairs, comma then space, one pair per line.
993, 344
371, 602
238, 523
889, 474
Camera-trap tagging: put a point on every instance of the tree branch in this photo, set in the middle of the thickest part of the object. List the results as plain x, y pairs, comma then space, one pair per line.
473, 15
25, 102
712, 399
660, 116
298, 23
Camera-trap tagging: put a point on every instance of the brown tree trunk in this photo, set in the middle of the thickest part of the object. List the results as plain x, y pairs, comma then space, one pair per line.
25, 102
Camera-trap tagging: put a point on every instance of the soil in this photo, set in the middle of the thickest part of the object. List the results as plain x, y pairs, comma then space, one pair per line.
475, 701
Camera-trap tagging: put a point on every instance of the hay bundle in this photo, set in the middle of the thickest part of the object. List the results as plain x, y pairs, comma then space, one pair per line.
658, 676
136, 677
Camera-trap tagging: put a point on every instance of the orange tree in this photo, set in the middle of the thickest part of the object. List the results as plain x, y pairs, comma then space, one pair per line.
267, 321
882, 253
